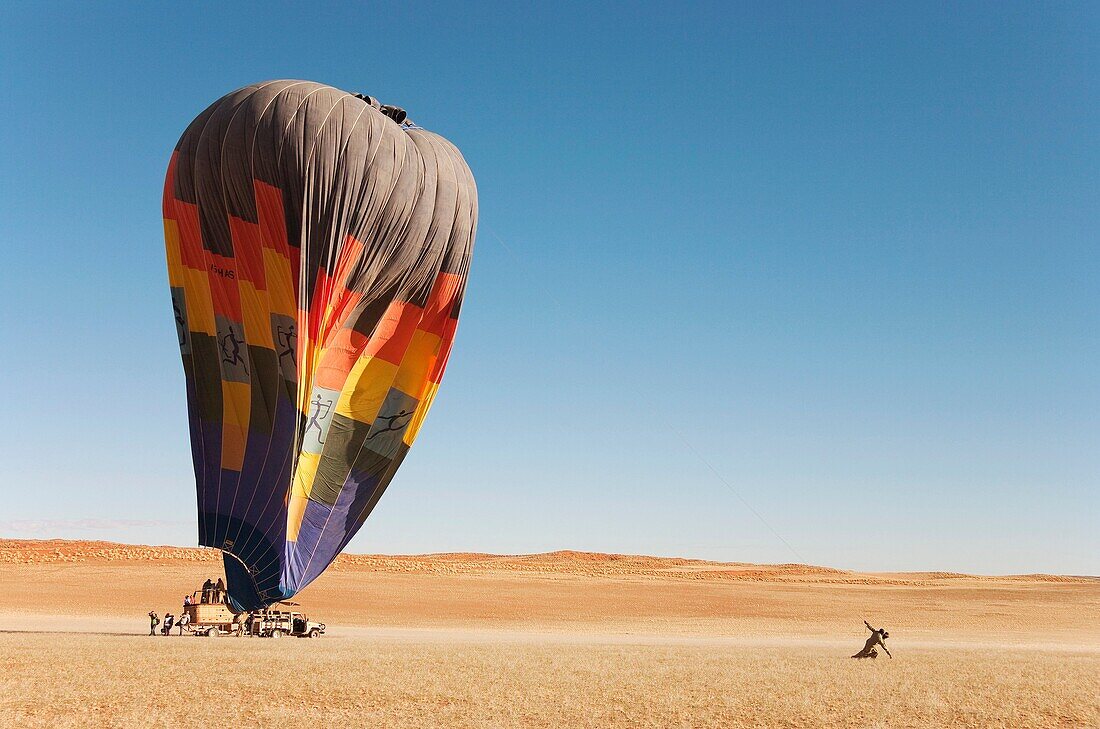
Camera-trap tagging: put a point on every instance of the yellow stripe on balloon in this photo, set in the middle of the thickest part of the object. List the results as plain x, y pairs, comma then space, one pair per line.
416, 363
281, 285
257, 319
296, 510
421, 412
366, 388
236, 409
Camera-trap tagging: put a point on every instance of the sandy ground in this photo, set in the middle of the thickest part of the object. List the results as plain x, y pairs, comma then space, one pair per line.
566, 639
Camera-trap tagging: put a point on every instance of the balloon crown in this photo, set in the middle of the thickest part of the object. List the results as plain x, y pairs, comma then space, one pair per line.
393, 112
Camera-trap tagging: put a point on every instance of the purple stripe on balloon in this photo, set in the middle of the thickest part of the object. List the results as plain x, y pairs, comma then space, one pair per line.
356, 491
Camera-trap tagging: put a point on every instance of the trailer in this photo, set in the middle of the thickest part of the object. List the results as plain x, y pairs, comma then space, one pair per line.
210, 615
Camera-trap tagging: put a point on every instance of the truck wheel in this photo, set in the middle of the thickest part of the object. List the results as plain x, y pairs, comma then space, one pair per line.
276, 633
211, 632
314, 633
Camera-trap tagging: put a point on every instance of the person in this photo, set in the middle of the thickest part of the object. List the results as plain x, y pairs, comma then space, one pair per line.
186, 600
241, 623
184, 620
219, 591
878, 638
207, 587
168, 621
154, 621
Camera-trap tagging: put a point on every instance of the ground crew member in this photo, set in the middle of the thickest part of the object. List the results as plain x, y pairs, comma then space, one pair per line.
168, 621
878, 638
241, 620
154, 621
185, 619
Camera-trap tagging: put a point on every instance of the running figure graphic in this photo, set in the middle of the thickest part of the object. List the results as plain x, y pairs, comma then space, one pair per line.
321, 409
393, 425
231, 349
181, 326
288, 341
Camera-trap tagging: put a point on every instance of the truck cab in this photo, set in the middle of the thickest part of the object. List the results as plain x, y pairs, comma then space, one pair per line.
278, 623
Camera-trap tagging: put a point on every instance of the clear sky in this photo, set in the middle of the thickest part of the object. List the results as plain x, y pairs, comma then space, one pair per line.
753, 281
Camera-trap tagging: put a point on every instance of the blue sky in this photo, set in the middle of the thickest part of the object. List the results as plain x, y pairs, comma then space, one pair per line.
843, 254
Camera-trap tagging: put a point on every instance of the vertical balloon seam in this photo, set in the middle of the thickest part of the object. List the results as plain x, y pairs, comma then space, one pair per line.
269, 500
351, 461
184, 319
336, 277
288, 454
385, 235
216, 542
326, 294
304, 368
278, 373
254, 374
232, 292
425, 240
195, 235
303, 250
449, 246
306, 239
218, 294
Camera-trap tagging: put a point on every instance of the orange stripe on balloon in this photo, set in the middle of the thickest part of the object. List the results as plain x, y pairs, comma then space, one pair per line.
345, 264
441, 300
340, 356
338, 301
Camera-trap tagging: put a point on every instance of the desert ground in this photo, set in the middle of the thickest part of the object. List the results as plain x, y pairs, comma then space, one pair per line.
553, 640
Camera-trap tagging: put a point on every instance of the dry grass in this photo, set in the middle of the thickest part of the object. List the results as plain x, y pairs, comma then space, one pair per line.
558, 640
129, 681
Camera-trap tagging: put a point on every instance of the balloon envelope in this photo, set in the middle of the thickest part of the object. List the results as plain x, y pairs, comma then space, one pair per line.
317, 257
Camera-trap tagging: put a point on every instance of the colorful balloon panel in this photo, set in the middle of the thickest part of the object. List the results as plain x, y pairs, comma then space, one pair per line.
318, 253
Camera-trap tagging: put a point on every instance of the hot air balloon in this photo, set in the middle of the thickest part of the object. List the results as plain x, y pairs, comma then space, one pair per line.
318, 248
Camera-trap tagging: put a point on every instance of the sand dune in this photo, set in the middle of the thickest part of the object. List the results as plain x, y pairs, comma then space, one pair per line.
565, 562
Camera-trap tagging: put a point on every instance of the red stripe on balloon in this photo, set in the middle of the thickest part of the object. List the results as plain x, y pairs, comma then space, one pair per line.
272, 222
394, 332
247, 245
436, 373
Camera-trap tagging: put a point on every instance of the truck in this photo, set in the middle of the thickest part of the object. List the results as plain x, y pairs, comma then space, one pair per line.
278, 623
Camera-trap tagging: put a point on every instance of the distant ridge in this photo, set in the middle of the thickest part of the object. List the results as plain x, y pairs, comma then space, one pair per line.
564, 563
